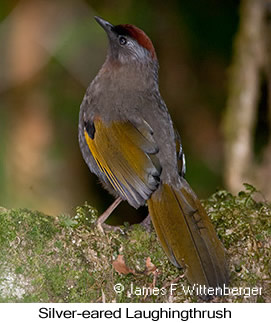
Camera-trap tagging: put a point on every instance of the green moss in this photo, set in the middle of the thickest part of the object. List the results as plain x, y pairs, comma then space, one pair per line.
244, 226
69, 258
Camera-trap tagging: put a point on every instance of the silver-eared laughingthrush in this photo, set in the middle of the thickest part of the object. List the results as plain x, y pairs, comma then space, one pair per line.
127, 139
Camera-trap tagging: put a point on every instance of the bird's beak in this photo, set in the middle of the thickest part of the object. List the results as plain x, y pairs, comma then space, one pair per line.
105, 24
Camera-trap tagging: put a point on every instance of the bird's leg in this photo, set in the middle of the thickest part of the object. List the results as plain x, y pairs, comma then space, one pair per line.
146, 223
108, 211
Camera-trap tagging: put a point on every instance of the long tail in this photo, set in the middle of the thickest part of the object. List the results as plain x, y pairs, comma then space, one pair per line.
187, 235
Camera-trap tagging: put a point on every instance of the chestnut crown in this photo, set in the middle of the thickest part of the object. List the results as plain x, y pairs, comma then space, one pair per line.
128, 42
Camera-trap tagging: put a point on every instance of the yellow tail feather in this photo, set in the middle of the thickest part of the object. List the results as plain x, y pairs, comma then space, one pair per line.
187, 235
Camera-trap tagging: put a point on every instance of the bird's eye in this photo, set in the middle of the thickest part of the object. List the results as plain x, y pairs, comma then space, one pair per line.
122, 40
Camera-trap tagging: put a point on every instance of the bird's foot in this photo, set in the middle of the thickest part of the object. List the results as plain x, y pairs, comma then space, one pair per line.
146, 223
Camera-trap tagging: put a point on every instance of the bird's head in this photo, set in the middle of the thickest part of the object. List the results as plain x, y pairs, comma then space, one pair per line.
128, 43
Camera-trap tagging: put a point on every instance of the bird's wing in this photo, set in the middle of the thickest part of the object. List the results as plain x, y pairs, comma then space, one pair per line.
180, 155
126, 154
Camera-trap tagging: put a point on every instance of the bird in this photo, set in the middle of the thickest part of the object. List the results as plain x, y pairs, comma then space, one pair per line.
128, 140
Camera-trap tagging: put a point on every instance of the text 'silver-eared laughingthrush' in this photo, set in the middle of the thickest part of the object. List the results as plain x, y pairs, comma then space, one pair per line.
127, 139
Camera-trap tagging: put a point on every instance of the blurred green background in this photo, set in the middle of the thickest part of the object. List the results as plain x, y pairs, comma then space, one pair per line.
51, 50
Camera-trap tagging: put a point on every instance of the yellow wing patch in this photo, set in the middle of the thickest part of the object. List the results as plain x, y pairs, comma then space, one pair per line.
117, 150
102, 164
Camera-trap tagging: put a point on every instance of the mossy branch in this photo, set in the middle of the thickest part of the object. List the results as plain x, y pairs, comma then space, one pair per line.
69, 258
